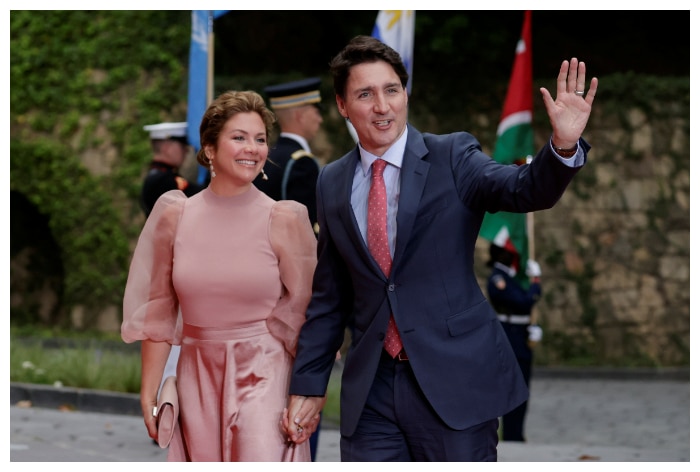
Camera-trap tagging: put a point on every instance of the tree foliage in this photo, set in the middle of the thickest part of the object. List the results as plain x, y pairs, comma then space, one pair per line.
82, 85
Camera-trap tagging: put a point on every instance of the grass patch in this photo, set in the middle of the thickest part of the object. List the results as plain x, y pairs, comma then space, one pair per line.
79, 360
79, 365
331, 412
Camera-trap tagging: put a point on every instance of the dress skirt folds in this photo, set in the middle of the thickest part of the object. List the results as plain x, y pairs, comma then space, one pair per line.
235, 379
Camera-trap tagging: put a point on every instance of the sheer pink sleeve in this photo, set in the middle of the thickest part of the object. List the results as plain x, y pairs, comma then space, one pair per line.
293, 240
151, 308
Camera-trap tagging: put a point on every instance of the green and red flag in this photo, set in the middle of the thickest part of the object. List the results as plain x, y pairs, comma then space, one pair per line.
514, 145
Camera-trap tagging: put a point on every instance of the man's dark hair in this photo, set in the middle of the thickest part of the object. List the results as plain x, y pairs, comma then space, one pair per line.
359, 50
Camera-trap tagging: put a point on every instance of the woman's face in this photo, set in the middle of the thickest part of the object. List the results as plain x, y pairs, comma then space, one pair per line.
241, 149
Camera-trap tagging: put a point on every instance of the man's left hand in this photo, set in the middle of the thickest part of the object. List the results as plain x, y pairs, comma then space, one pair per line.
569, 113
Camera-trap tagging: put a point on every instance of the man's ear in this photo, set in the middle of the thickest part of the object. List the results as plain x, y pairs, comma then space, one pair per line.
341, 106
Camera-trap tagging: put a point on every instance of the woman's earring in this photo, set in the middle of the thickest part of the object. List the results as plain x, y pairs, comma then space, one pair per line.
264, 175
211, 169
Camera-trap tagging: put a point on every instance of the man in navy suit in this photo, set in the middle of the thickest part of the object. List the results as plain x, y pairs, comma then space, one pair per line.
440, 397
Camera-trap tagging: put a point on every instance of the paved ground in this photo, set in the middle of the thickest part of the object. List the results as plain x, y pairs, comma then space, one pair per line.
572, 418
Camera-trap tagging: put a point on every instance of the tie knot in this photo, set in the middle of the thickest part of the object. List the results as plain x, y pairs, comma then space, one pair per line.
378, 167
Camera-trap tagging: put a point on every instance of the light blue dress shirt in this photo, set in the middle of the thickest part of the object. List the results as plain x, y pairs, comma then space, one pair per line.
362, 181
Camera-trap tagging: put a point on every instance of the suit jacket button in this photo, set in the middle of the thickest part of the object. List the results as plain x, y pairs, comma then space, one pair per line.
391, 287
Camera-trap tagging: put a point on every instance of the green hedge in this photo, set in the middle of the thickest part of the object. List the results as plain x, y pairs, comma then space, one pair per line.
82, 85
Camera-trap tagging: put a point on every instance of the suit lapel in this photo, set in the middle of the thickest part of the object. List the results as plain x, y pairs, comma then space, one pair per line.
347, 215
414, 174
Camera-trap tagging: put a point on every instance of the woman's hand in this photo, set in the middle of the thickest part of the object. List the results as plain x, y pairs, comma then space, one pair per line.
149, 409
302, 416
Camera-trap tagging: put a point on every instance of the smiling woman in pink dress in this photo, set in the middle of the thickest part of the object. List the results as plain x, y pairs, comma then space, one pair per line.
238, 267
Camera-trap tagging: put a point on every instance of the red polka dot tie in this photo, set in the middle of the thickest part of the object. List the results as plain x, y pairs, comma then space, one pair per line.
378, 242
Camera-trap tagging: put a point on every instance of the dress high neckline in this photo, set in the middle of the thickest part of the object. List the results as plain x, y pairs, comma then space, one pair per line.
241, 199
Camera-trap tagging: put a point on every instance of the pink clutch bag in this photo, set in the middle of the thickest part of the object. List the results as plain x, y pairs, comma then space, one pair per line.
167, 412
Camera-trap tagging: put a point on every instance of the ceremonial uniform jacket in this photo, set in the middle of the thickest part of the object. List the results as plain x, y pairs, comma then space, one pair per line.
160, 178
292, 173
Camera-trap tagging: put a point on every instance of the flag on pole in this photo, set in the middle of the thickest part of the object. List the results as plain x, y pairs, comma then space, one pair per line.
198, 73
515, 139
514, 145
395, 28
200, 88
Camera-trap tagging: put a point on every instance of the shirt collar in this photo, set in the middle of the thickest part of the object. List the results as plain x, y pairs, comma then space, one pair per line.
393, 155
300, 139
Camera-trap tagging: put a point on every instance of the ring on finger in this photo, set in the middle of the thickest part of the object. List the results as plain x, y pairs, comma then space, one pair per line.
300, 428
579, 92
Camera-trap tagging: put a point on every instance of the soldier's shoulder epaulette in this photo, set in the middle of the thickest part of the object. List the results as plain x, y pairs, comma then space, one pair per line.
296, 155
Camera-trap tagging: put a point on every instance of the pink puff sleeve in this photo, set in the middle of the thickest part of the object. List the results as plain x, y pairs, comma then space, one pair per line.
293, 240
151, 308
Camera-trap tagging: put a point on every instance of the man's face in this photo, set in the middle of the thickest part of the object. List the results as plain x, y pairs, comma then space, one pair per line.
311, 119
174, 151
377, 105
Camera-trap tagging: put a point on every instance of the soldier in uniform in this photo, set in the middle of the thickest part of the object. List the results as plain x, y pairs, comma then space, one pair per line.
291, 170
513, 303
169, 145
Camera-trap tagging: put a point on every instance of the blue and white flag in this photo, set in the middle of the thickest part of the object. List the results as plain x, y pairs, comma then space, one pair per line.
198, 89
396, 28
202, 26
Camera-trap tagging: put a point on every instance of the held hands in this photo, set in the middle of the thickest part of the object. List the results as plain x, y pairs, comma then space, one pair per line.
569, 113
300, 419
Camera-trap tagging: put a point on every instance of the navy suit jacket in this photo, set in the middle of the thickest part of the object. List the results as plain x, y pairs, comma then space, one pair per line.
456, 346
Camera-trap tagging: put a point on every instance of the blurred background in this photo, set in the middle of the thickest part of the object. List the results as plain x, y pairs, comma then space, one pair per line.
614, 252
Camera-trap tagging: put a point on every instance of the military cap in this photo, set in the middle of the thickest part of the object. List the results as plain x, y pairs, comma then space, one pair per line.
176, 131
294, 94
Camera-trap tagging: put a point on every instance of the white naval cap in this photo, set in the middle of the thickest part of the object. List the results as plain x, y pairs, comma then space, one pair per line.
177, 131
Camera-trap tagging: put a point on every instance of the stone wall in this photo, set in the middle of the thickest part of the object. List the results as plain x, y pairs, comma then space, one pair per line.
615, 250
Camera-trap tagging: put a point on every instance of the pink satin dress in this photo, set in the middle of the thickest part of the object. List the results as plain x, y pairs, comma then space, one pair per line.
239, 270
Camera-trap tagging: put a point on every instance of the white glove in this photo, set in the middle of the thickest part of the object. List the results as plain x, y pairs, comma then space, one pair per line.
534, 333
533, 269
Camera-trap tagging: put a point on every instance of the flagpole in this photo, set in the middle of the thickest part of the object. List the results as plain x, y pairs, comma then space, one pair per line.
530, 218
531, 235
210, 58
530, 221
